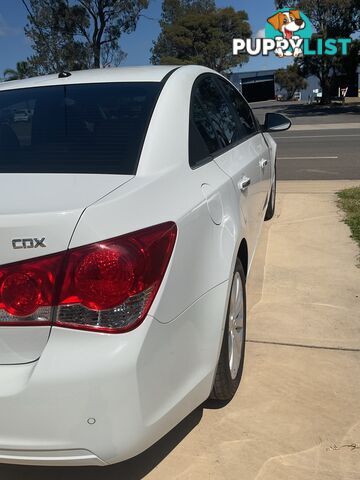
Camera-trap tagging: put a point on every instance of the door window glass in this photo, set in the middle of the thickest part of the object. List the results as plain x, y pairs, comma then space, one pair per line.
247, 125
218, 110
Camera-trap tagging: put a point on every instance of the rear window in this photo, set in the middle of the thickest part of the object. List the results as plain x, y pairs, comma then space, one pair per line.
90, 128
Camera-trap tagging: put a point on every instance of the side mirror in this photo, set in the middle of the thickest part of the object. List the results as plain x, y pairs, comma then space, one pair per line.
275, 122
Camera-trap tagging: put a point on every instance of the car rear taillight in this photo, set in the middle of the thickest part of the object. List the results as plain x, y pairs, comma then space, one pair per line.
107, 286
110, 285
27, 290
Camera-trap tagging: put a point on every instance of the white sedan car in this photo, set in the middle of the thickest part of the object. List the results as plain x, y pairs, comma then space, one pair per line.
130, 210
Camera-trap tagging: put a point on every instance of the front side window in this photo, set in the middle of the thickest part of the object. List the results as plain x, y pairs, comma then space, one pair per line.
88, 128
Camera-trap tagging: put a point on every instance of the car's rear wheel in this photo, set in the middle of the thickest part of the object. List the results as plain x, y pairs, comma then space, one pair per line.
272, 200
231, 361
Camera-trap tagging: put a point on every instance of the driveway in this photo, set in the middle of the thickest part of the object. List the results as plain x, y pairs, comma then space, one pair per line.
297, 412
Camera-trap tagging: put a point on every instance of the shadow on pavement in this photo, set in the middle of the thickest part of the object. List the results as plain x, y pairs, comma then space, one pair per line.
305, 110
134, 469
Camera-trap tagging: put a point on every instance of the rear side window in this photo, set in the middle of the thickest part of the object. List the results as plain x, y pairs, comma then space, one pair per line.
218, 110
213, 125
202, 138
247, 125
89, 128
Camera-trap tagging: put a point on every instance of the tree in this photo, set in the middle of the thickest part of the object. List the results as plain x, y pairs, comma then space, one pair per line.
172, 10
290, 79
78, 34
331, 19
196, 32
348, 64
22, 70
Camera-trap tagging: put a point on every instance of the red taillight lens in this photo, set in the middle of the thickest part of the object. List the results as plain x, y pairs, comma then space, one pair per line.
20, 293
27, 290
103, 278
107, 286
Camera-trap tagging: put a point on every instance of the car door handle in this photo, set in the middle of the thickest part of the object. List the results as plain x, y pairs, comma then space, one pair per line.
244, 183
263, 162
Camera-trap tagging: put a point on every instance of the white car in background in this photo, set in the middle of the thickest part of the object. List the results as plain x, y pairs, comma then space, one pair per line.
129, 219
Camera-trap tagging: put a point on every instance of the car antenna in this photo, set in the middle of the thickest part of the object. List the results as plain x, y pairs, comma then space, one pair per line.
64, 74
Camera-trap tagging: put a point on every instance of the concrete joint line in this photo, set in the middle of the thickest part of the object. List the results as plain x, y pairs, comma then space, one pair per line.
300, 345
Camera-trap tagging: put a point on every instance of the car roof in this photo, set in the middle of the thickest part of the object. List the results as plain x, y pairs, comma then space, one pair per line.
150, 73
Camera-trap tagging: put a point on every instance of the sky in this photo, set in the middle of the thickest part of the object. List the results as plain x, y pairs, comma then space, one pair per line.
14, 45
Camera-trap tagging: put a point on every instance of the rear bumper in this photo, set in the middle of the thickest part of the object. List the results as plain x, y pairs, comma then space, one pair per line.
51, 458
97, 399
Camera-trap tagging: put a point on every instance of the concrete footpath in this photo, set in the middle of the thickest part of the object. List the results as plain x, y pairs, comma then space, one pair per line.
296, 415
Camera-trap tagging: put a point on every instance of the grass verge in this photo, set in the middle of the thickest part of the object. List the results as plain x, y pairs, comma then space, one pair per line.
349, 201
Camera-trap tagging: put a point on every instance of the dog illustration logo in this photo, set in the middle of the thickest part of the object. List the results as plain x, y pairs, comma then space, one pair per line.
288, 33
289, 25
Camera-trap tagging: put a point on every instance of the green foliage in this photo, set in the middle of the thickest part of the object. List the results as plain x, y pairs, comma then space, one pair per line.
172, 10
331, 19
52, 27
327, 67
79, 34
196, 32
349, 201
350, 62
22, 70
290, 79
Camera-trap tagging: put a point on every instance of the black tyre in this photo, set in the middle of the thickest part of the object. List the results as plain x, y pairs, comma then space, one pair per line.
272, 200
231, 361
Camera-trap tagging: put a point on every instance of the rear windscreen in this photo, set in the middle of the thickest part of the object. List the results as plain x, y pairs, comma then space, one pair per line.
89, 128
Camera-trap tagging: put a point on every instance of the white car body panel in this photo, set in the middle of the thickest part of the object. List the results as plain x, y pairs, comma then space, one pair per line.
190, 212
133, 408
242, 162
272, 152
92, 398
105, 75
49, 206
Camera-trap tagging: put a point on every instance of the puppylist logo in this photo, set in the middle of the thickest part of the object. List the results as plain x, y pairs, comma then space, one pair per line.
288, 29
288, 33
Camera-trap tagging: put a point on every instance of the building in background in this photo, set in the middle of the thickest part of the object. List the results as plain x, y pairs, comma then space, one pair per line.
260, 85
255, 86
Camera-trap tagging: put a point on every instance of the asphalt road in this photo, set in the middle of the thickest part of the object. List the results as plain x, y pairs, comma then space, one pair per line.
311, 151
318, 154
301, 113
